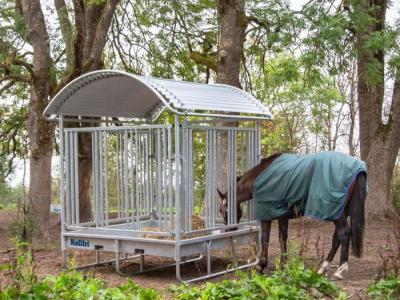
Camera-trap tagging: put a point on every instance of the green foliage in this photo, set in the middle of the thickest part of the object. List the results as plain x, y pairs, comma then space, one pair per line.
294, 281
162, 41
23, 228
10, 195
387, 288
304, 103
20, 269
72, 285
13, 133
75, 285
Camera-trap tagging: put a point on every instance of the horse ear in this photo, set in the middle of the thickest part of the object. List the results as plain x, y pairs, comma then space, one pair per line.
222, 195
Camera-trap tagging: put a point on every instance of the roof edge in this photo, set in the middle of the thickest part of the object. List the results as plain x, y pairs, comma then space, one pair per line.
68, 90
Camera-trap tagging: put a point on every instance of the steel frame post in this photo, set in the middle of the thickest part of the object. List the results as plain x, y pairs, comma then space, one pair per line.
178, 170
62, 193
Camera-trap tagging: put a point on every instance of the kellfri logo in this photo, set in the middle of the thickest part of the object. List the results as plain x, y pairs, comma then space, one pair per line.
79, 243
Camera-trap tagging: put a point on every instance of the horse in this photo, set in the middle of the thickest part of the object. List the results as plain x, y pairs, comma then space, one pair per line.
352, 207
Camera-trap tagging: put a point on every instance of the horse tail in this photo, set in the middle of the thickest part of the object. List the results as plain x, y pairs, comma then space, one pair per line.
357, 215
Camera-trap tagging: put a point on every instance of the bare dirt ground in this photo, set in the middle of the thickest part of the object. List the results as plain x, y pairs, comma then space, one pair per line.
313, 239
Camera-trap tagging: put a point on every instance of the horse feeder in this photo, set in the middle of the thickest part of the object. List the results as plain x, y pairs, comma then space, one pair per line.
145, 194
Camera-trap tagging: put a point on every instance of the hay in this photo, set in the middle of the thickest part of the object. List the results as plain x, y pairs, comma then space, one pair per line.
197, 224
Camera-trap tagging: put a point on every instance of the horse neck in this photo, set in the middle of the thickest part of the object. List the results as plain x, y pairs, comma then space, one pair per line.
245, 184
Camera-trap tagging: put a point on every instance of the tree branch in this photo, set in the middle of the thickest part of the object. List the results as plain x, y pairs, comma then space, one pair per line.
7, 86
26, 65
101, 35
208, 60
267, 25
79, 12
12, 77
66, 30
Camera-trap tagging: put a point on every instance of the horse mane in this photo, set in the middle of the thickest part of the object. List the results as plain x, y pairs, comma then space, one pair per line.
270, 158
247, 179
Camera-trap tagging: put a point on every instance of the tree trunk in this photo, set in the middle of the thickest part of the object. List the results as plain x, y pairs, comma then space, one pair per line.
40, 131
380, 169
232, 25
352, 113
85, 175
379, 141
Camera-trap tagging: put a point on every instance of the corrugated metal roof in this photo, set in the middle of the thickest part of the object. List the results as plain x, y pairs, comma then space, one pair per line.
108, 93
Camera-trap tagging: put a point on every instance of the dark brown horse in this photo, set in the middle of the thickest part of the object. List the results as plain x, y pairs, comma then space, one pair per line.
354, 209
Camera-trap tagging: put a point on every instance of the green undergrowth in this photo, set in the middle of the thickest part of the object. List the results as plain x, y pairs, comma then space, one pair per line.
24, 284
76, 286
385, 288
293, 281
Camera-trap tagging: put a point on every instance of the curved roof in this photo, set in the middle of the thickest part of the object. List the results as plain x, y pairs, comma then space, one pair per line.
108, 93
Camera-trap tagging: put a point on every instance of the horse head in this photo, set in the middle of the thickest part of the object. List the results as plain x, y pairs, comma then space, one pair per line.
223, 204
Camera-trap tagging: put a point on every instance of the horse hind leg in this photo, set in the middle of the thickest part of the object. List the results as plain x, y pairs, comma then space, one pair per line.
283, 236
265, 234
343, 233
327, 262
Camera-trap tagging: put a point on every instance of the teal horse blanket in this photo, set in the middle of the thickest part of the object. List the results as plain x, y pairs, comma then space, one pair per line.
317, 184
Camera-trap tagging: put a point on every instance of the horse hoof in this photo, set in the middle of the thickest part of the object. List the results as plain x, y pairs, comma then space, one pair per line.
260, 270
324, 268
338, 275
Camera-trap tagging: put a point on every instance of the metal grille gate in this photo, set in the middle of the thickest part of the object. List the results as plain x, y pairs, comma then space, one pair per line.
143, 188
132, 180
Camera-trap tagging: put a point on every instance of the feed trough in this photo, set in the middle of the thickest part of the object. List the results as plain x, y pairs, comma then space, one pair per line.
155, 144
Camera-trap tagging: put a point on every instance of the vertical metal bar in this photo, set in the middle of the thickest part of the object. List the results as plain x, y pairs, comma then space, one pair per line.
183, 217
96, 178
213, 198
76, 177
258, 158
126, 178
137, 141
62, 189
146, 173
170, 178
229, 179
71, 175
178, 171
106, 178
191, 178
258, 142
165, 178
121, 176
232, 177
101, 178
208, 182
164, 181
159, 178
186, 200
118, 175
233, 174
208, 250
151, 185
68, 179
132, 176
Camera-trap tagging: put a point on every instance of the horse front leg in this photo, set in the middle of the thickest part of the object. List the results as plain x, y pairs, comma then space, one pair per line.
283, 236
343, 233
265, 233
